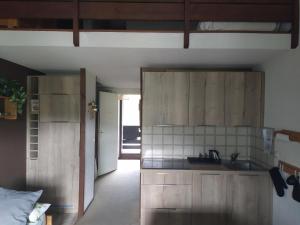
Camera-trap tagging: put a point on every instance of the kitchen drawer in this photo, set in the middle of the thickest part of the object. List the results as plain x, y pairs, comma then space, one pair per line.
167, 177
166, 196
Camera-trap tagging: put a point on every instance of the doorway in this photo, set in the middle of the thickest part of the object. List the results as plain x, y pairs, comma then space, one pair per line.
130, 130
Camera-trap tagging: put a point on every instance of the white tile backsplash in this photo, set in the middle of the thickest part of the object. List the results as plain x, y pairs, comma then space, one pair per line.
181, 142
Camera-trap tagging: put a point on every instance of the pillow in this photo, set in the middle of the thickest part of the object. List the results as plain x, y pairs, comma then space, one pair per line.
15, 206
38, 211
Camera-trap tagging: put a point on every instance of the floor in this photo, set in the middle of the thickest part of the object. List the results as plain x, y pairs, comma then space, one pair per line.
117, 197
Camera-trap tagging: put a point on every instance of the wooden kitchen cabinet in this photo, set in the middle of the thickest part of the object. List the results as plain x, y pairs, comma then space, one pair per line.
254, 99
59, 108
249, 197
165, 98
209, 199
234, 98
214, 98
221, 98
166, 197
59, 84
197, 98
56, 169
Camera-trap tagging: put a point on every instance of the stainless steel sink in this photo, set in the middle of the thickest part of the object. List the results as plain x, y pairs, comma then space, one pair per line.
244, 165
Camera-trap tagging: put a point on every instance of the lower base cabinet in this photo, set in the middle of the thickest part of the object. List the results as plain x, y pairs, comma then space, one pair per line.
210, 198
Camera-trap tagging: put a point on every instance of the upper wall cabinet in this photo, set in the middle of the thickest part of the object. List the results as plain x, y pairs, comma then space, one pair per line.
203, 98
197, 98
254, 99
165, 98
214, 98
234, 98
59, 85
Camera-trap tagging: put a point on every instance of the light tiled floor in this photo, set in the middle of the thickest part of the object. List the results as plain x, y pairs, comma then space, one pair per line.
117, 196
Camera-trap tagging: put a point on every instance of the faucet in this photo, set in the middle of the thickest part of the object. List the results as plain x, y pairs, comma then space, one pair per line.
234, 156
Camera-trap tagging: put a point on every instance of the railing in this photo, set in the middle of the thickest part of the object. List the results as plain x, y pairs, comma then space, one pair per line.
186, 11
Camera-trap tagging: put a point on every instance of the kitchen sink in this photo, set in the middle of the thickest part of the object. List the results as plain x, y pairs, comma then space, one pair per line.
244, 165
197, 160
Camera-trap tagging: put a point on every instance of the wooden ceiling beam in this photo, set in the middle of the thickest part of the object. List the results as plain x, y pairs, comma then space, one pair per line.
132, 11
36, 9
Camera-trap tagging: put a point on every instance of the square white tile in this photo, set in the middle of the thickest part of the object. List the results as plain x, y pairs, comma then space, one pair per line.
167, 139
178, 130
178, 139
199, 140
188, 151
157, 139
167, 130
157, 130
210, 130
230, 131
188, 130
220, 130
230, 140
200, 130
188, 140
210, 140
147, 139
220, 140
178, 150
242, 130
147, 130
242, 140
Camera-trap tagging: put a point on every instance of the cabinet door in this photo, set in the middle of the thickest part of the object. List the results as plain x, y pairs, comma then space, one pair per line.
209, 199
177, 196
59, 108
254, 99
197, 98
214, 98
179, 217
244, 195
155, 217
234, 98
152, 196
57, 170
59, 84
165, 98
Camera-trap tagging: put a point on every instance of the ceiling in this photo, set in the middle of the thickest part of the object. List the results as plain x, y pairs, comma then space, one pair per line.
120, 67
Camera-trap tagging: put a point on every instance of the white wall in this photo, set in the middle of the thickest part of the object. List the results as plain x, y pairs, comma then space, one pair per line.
282, 111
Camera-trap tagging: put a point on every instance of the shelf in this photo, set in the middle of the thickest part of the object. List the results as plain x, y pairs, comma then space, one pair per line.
293, 135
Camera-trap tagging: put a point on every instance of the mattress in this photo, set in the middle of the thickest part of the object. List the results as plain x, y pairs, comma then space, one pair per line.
41, 221
244, 26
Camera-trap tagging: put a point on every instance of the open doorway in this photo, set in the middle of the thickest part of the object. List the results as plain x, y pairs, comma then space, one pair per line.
130, 130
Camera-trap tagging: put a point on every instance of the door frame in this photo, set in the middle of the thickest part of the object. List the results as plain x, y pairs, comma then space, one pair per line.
122, 155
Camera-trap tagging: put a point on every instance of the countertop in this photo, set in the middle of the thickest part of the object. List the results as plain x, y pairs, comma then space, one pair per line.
184, 164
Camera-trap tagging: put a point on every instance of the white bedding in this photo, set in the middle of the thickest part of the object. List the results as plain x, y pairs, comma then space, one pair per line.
244, 26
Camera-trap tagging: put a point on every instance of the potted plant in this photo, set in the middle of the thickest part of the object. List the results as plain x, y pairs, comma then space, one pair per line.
14, 91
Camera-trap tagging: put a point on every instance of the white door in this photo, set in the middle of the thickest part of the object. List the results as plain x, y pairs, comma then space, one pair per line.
108, 132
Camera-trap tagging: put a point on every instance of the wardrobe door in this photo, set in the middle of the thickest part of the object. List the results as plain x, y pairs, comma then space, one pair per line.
214, 98
59, 84
59, 108
58, 164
